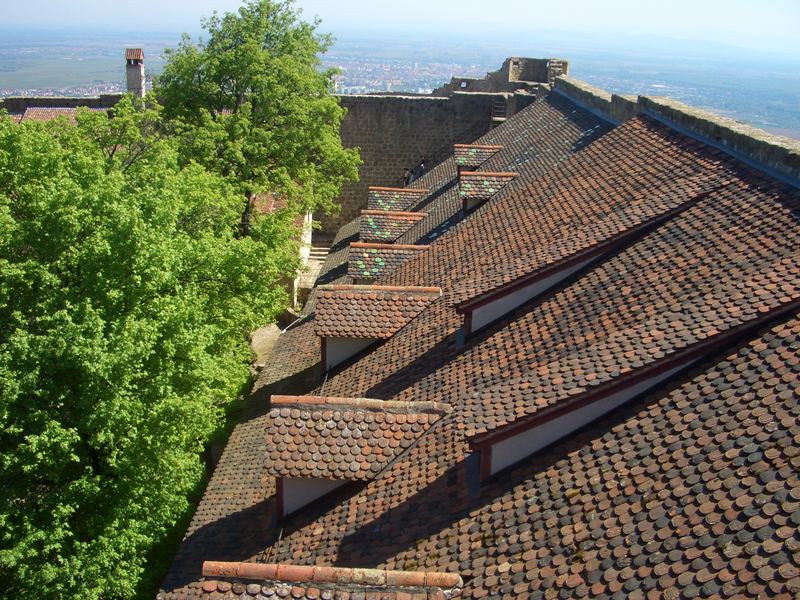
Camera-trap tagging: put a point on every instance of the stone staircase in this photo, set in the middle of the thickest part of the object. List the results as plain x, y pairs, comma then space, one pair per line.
316, 258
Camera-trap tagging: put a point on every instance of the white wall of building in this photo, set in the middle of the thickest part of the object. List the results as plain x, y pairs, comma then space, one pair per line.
299, 492
338, 350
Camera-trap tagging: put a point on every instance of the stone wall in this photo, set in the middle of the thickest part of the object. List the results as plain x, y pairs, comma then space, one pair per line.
776, 155
18, 104
396, 132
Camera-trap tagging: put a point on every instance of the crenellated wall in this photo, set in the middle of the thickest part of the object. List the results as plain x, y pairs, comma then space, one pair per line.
18, 104
776, 155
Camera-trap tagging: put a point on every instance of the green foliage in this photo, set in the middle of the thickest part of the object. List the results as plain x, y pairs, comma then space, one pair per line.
252, 104
125, 298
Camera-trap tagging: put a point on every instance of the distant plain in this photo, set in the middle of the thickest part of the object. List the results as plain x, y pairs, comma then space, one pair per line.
762, 90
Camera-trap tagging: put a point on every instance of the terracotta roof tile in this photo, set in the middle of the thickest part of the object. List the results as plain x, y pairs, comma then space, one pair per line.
394, 199
342, 438
472, 156
364, 311
386, 226
370, 261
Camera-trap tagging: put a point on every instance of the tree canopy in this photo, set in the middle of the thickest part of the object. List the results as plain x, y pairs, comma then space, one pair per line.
127, 292
252, 104
125, 298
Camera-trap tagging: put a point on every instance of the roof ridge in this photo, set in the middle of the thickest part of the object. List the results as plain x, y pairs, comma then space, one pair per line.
483, 146
393, 213
381, 188
488, 174
365, 403
382, 246
337, 575
379, 288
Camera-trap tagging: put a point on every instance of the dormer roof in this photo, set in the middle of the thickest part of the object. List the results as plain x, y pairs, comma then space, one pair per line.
394, 199
472, 156
369, 311
386, 226
475, 187
342, 438
369, 260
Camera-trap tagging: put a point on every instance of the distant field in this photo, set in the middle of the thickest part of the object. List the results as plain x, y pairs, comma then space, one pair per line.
762, 91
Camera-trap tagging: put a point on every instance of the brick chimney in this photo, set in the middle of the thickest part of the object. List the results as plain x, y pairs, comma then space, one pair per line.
134, 71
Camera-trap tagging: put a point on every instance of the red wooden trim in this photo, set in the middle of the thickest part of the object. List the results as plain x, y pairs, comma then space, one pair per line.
700, 350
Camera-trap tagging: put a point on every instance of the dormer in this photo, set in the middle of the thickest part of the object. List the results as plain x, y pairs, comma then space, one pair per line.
385, 226
350, 318
489, 305
315, 445
514, 420
471, 156
477, 187
366, 262
394, 199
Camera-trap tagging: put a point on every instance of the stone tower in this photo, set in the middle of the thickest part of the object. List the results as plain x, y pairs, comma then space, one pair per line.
134, 71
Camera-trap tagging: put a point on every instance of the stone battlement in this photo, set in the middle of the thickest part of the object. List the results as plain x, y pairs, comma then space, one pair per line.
776, 155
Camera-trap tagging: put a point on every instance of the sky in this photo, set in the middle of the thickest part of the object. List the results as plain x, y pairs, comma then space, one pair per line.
769, 25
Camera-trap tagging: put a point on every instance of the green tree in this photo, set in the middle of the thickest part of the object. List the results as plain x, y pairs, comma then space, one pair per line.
125, 297
252, 104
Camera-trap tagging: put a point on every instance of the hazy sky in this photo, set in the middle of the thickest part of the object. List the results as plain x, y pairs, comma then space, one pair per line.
771, 24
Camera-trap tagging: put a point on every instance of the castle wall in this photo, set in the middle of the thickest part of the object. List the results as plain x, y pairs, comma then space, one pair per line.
395, 132
18, 104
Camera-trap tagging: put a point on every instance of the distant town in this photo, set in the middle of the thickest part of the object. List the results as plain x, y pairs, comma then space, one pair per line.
765, 94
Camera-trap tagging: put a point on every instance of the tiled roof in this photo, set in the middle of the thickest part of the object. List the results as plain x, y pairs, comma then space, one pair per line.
341, 438
134, 54
477, 186
49, 113
604, 193
394, 199
384, 225
691, 490
267, 204
368, 311
374, 260
728, 261
535, 139
472, 156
